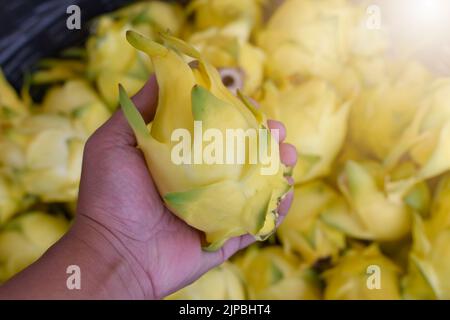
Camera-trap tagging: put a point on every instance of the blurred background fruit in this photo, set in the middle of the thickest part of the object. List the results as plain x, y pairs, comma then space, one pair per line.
221, 283
270, 273
316, 121
365, 104
25, 238
304, 231
351, 278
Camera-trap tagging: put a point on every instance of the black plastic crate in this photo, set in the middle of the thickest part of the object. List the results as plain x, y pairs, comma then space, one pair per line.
32, 30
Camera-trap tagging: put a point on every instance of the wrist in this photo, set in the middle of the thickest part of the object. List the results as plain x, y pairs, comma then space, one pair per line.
104, 270
108, 269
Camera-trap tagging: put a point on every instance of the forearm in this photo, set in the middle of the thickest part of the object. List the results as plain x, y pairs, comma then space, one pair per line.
104, 273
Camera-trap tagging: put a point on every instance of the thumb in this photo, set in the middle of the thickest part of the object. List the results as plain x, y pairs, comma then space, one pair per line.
117, 128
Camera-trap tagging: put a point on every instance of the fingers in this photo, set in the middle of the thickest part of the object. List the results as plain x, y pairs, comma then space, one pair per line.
147, 98
288, 154
285, 205
117, 129
276, 125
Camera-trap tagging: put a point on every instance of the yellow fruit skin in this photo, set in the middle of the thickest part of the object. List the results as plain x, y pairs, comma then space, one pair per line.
350, 278
11, 197
76, 99
440, 205
315, 120
111, 60
427, 276
425, 139
383, 216
290, 38
48, 150
12, 109
221, 200
229, 48
270, 273
155, 16
303, 231
383, 111
221, 283
434, 263
371, 211
57, 70
25, 238
220, 13
8, 96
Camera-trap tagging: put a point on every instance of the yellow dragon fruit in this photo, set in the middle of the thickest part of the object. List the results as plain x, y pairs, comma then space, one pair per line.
374, 70
363, 77
415, 285
440, 206
220, 13
291, 39
237, 195
270, 273
425, 141
25, 238
365, 40
427, 276
221, 283
76, 99
418, 197
382, 112
153, 16
11, 195
45, 151
374, 213
363, 273
12, 109
13, 157
111, 60
229, 48
316, 122
57, 70
303, 231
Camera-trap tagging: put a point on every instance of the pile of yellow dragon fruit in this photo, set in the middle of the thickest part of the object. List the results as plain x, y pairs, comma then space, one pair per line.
371, 214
